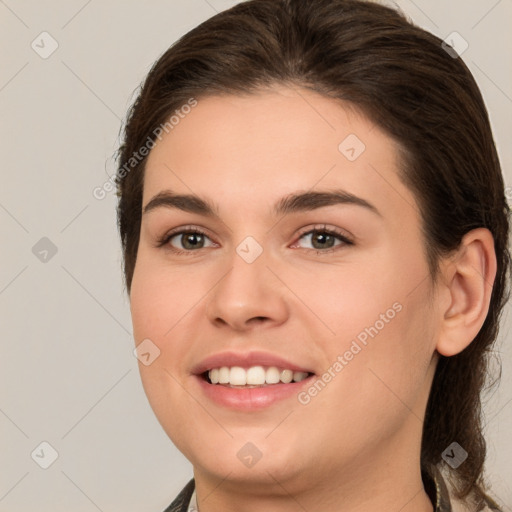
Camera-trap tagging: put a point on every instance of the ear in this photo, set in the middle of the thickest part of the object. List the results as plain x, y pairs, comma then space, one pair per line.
467, 278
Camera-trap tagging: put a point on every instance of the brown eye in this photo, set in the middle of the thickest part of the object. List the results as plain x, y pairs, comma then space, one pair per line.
190, 241
186, 241
324, 240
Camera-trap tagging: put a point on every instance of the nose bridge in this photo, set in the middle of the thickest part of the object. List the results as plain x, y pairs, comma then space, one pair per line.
248, 290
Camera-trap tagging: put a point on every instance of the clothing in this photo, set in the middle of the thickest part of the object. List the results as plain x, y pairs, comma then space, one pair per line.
181, 503
435, 486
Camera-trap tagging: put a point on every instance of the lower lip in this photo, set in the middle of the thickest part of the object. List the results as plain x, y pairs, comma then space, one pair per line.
250, 399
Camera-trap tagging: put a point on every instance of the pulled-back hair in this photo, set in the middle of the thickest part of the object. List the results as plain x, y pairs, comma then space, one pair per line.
404, 80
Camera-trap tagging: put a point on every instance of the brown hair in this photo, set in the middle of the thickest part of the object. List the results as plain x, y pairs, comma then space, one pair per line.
403, 79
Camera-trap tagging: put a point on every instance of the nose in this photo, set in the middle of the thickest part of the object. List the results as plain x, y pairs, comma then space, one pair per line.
248, 295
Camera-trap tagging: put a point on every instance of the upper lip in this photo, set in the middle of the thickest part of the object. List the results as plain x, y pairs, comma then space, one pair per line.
246, 360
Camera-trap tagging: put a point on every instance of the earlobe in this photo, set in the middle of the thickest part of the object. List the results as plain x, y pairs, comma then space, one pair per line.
468, 278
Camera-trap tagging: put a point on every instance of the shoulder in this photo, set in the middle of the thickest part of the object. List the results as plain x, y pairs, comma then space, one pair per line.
458, 506
180, 504
445, 499
463, 506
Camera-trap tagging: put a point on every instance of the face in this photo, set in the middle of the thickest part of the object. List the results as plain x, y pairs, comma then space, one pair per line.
295, 262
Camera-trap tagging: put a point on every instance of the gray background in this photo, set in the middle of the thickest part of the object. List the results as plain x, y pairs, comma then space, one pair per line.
68, 375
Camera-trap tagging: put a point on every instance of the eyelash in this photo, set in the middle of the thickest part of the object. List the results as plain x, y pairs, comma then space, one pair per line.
317, 229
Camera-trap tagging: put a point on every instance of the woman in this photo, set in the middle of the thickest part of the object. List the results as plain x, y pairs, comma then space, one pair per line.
315, 232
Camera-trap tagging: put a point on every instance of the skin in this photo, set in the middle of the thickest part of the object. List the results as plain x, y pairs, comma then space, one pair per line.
356, 445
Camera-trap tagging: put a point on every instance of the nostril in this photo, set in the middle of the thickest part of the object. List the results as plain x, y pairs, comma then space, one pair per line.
259, 319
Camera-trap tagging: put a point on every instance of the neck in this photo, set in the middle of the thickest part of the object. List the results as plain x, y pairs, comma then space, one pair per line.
387, 479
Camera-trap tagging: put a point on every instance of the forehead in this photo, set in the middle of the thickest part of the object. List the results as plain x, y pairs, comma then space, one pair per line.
260, 147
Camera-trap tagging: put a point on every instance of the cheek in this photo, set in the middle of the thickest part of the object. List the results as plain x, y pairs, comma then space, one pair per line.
387, 361
161, 296
381, 383
347, 299
156, 307
384, 331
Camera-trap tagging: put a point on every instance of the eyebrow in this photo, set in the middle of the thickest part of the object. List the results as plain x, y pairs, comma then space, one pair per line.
293, 203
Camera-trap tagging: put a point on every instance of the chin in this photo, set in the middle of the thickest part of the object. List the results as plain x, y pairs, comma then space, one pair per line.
248, 463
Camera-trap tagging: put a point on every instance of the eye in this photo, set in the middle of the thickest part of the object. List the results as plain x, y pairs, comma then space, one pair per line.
186, 240
323, 239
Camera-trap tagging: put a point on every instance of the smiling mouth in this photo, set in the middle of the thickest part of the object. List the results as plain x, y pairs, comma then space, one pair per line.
252, 377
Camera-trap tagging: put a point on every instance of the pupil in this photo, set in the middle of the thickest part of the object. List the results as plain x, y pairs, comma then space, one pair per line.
190, 241
323, 239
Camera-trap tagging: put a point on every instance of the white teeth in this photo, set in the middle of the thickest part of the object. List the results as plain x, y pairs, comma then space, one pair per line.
298, 376
286, 376
214, 376
237, 376
224, 375
254, 376
272, 376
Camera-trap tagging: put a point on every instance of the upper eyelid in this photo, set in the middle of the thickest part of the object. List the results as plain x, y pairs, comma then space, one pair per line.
181, 231
326, 228
338, 232
303, 231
